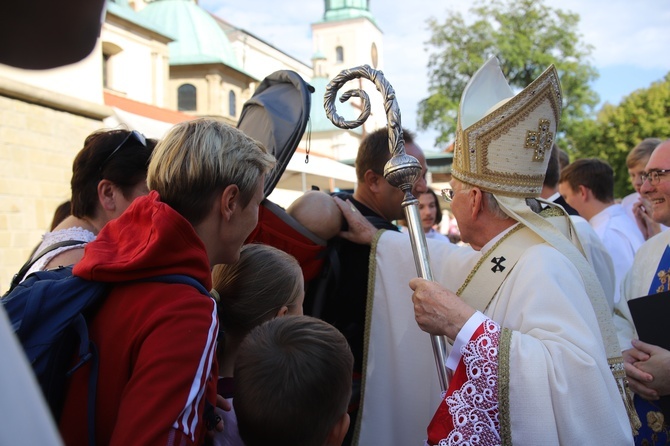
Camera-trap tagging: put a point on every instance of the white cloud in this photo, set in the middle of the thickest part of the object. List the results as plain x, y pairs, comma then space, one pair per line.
624, 32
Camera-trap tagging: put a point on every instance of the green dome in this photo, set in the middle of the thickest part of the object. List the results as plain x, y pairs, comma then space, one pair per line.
199, 39
347, 9
318, 56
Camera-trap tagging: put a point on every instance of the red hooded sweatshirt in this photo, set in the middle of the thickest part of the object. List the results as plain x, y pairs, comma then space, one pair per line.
156, 340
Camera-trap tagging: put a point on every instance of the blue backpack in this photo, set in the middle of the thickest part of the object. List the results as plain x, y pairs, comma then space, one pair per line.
48, 312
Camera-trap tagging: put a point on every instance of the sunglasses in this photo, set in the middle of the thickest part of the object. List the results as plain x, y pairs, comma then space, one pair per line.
137, 136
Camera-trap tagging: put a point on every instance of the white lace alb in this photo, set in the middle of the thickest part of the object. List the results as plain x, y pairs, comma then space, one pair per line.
474, 407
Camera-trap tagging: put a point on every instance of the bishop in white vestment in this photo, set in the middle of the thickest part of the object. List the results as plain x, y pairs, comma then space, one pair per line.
535, 354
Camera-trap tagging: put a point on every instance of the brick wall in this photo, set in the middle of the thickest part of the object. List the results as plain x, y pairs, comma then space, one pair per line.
37, 147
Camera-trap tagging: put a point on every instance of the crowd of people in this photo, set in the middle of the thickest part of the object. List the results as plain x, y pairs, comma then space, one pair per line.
543, 345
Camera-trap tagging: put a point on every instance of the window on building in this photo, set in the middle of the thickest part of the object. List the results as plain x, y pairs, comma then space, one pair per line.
232, 103
109, 51
186, 98
106, 67
339, 54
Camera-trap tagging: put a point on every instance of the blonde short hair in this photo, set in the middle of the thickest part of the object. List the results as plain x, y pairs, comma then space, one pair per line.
198, 159
641, 153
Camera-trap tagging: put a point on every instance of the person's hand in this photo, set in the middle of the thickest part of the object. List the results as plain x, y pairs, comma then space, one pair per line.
437, 310
360, 230
213, 421
642, 213
658, 366
638, 380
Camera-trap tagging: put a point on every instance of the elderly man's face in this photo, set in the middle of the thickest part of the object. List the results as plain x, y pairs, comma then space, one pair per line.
659, 194
461, 209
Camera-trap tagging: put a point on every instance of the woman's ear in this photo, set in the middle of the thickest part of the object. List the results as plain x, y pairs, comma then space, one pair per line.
106, 192
229, 200
283, 311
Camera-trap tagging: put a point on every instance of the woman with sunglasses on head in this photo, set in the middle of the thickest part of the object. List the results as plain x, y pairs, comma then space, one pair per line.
108, 173
431, 215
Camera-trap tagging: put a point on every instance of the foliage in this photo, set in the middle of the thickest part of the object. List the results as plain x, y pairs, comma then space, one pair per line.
617, 129
526, 36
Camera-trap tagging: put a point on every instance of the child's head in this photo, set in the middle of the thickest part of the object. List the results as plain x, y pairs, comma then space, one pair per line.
264, 283
293, 383
317, 212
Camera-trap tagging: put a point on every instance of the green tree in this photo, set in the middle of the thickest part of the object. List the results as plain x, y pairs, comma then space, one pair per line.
527, 36
645, 113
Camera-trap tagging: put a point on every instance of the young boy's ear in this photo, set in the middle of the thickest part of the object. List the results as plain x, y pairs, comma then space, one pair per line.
337, 434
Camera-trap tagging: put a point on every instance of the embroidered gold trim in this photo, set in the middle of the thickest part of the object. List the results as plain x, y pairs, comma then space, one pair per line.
503, 386
372, 268
471, 157
618, 370
551, 211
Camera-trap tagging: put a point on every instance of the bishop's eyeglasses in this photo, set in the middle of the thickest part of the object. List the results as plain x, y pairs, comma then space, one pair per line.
448, 194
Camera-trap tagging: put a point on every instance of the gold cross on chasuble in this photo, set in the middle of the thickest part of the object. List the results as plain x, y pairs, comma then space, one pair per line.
540, 140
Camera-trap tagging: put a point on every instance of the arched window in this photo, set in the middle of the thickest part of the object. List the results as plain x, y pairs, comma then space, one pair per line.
232, 103
186, 98
339, 54
109, 50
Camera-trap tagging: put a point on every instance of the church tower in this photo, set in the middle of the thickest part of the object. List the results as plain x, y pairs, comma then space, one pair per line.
347, 37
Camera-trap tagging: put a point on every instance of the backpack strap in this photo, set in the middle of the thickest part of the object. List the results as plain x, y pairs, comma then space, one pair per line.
18, 277
178, 278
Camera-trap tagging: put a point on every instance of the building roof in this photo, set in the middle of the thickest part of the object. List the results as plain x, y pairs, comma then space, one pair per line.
152, 121
347, 9
146, 110
199, 39
122, 9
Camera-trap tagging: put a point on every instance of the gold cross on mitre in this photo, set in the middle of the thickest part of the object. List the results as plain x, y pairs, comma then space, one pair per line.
540, 140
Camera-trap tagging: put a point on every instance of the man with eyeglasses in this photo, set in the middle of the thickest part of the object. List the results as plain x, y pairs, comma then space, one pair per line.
344, 301
647, 365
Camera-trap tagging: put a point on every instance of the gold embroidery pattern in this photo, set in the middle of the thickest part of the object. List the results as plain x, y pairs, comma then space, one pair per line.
503, 387
655, 421
540, 141
551, 212
471, 158
659, 430
663, 276
368, 322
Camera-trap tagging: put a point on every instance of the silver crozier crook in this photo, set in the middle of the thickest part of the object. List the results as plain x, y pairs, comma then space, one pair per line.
401, 171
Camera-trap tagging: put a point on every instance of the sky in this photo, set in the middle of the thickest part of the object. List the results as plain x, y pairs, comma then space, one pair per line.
630, 40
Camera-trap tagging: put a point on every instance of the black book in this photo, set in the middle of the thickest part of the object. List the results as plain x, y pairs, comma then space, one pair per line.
650, 315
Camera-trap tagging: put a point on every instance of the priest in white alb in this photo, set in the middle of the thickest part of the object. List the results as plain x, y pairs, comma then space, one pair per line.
648, 364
